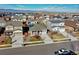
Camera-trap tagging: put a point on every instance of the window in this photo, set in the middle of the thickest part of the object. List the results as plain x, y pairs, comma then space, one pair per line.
2, 24
9, 27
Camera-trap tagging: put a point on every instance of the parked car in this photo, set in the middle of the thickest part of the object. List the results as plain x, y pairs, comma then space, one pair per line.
65, 52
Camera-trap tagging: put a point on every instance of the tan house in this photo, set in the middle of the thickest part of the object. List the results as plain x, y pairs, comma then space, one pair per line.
70, 25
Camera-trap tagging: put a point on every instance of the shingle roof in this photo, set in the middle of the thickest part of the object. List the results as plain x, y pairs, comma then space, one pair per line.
56, 21
14, 23
38, 27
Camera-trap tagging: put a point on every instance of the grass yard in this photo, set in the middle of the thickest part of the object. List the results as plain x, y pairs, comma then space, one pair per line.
76, 34
57, 37
34, 40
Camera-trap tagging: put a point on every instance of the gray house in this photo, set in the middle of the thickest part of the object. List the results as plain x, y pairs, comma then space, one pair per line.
56, 24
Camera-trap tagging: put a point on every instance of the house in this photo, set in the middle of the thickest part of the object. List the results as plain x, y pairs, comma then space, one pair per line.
56, 24
18, 17
70, 25
75, 17
16, 24
2, 22
38, 28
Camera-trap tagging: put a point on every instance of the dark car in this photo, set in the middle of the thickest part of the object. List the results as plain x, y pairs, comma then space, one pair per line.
65, 52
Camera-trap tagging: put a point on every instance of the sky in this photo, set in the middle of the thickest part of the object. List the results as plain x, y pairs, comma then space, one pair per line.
46, 7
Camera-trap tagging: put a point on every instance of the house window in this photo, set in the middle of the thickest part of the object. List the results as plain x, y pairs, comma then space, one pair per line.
2, 24
56, 29
61, 24
9, 27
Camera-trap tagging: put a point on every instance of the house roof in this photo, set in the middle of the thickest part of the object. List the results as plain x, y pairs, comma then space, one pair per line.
58, 26
38, 27
14, 23
70, 23
56, 21
57, 17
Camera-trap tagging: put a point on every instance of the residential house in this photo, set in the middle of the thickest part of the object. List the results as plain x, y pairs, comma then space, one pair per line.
56, 24
70, 25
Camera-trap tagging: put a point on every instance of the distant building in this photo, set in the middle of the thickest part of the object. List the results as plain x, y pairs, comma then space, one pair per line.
75, 17
2, 22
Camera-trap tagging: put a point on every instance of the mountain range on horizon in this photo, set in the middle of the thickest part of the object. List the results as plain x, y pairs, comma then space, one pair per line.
13, 10
29, 11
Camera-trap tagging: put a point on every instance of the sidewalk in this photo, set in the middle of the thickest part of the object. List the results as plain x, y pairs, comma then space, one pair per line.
19, 40
69, 36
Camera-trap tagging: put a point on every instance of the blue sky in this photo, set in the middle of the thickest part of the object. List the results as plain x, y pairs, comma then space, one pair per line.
48, 7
